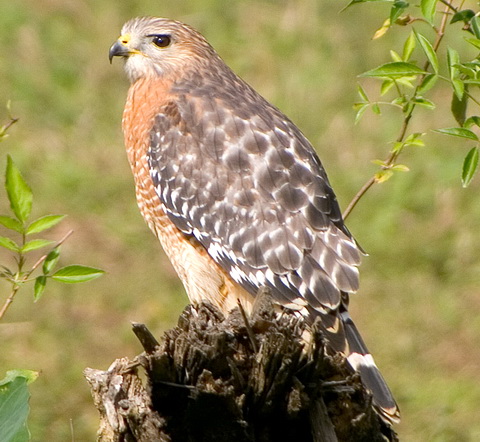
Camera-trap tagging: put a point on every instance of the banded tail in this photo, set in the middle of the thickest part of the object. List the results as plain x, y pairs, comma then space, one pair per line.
343, 336
362, 362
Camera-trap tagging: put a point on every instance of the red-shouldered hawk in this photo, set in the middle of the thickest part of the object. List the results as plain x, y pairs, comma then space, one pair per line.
234, 191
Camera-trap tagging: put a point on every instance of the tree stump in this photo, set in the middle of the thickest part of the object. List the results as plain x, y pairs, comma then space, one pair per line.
236, 378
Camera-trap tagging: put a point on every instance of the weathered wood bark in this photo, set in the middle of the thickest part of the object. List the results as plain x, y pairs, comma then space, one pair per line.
234, 379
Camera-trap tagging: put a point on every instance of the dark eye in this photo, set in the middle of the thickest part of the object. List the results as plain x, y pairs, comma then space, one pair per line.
161, 41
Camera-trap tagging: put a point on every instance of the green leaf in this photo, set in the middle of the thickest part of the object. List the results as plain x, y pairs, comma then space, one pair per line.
465, 16
400, 101
383, 175
427, 83
39, 288
51, 260
475, 26
362, 93
474, 42
395, 56
382, 30
453, 59
466, 70
376, 109
459, 108
11, 223
424, 102
429, 51
357, 106
44, 223
428, 8
23, 435
11, 375
397, 10
394, 70
473, 120
360, 108
354, 2
386, 86
406, 81
8, 244
415, 139
400, 168
398, 146
415, 143
408, 108
19, 194
458, 132
76, 273
14, 407
459, 88
474, 64
7, 273
35, 244
369, 1
470, 165
409, 46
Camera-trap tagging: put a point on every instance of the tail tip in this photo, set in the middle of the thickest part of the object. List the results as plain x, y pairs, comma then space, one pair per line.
373, 381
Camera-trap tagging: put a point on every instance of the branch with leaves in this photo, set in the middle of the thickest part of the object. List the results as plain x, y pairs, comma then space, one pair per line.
14, 394
411, 83
20, 197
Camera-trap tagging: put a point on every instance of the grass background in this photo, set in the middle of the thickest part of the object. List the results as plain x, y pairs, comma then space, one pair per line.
419, 303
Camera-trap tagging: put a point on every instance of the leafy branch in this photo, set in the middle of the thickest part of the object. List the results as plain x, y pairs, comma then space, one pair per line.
18, 223
20, 197
19, 279
14, 394
412, 83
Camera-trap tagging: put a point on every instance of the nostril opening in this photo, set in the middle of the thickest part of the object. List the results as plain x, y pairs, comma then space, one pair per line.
124, 39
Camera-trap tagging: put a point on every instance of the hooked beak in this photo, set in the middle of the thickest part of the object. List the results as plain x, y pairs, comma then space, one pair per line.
117, 50
121, 48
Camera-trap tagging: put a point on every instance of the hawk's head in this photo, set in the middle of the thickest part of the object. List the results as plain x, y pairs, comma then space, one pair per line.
157, 47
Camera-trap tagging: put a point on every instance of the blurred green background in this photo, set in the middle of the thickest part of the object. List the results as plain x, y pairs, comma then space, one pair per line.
419, 303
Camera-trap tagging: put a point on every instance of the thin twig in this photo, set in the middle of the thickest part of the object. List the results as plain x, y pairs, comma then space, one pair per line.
41, 259
9, 300
471, 97
449, 5
358, 196
441, 30
9, 124
17, 284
